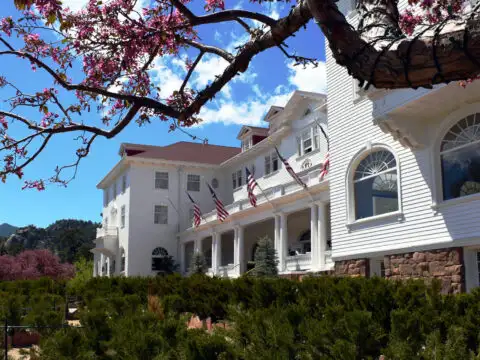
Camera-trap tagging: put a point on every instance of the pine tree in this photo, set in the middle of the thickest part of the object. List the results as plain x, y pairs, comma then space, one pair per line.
198, 264
266, 259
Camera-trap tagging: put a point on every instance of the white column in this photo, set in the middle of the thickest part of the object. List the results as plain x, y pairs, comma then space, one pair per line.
107, 263
216, 252
95, 265
183, 265
322, 232
102, 263
198, 246
277, 240
283, 241
314, 238
238, 250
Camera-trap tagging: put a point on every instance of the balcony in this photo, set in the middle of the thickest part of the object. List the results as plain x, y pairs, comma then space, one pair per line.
312, 178
227, 271
106, 241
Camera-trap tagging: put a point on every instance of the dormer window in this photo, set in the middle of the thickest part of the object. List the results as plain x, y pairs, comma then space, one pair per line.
246, 144
308, 141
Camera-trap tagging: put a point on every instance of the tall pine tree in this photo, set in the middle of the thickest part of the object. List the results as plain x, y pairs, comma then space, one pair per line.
266, 259
198, 264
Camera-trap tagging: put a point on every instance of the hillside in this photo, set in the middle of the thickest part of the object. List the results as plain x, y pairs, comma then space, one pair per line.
69, 239
7, 229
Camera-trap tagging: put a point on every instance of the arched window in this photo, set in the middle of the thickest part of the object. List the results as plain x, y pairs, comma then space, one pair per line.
375, 184
159, 255
460, 158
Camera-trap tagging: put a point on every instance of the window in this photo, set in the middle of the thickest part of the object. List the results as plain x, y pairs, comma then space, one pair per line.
193, 182
271, 163
159, 259
124, 183
460, 158
214, 183
122, 262
237, 179
160, 214
161, 180
105, 197
114, 191
122, 217
308, 141
246, 144
375, 185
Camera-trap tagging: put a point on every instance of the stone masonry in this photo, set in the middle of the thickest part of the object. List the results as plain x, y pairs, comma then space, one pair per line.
443, 264
353, 268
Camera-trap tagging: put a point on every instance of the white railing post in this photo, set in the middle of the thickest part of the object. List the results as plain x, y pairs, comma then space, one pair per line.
314, 237
322, 232
283, 241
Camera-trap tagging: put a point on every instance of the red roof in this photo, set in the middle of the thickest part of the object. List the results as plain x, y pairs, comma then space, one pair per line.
183, 151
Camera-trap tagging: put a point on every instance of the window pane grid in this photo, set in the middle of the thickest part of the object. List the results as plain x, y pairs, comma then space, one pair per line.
193, 182
161, 180
376, 185
160, 214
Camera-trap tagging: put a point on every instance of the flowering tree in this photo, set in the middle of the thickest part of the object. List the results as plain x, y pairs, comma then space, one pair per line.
34, 264
432, 41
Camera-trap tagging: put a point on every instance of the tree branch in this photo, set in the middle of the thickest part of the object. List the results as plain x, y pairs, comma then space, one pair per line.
210, 49
141, 100
445, 52
221, 16
78, 127
190, 71
284, 28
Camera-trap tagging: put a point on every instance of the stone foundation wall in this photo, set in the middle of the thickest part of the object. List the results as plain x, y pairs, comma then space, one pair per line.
358, 267
443, 264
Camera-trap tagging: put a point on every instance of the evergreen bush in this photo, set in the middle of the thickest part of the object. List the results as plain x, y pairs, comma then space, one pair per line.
198, 264
266, 259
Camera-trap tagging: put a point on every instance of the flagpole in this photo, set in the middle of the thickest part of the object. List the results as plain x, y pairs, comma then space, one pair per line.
201, 214
171, 203
265, 195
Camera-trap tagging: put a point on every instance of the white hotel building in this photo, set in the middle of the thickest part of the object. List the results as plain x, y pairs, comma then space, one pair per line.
401, 200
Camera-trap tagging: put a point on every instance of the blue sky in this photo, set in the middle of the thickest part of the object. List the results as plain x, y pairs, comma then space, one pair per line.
269, 80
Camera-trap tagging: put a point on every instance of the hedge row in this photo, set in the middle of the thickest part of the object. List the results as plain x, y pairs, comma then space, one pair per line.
318, 318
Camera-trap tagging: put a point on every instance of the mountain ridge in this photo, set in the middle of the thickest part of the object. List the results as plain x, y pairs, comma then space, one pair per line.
7, 229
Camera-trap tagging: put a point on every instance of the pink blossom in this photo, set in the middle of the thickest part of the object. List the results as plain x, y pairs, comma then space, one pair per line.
33, 264
3, 122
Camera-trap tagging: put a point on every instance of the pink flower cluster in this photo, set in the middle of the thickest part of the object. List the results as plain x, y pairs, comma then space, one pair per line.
35, 184
426, 12
212, 5
6, 25
47, 7
34, 264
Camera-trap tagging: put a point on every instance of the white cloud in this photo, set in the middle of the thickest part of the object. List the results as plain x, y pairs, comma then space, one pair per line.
252, 110
308, 79
74, 5
165, 77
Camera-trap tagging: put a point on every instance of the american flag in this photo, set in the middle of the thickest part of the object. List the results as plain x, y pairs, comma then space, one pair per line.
222, 213
251, 185
326, 165
197, 214
290, 170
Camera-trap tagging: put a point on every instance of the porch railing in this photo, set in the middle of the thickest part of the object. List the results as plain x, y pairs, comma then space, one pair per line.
274, 192
299, 262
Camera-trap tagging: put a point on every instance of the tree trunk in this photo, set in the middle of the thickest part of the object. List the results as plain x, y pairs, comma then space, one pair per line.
379, 55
